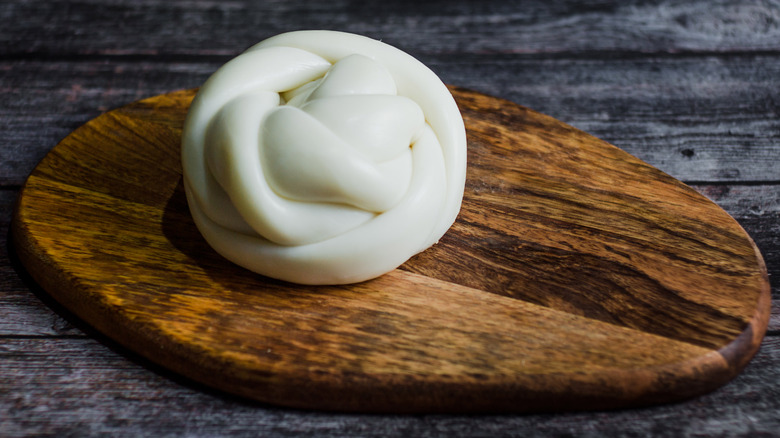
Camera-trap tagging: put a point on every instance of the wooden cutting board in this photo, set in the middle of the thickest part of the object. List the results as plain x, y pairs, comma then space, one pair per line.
576, 277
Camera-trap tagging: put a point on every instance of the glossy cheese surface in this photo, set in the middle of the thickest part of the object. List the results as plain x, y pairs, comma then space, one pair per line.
322, 157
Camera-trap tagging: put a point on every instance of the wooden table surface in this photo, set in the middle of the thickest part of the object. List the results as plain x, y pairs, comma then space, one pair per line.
691, 87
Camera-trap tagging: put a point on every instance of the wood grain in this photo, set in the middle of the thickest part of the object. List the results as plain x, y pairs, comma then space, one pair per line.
577, 277
22, 313
69, 383
58, 397
690, 116
125, 27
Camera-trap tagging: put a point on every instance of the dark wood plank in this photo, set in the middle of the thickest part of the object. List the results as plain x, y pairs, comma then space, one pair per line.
58, 28
80, 387
698, 119
22, 313
77, 387
43, 102
612, 272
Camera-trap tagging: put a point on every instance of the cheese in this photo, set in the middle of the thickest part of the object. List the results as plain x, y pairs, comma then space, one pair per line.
321, 157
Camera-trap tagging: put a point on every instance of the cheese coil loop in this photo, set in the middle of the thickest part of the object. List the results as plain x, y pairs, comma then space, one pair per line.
323, 157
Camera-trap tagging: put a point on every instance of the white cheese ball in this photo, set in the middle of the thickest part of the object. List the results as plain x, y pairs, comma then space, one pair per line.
321, 157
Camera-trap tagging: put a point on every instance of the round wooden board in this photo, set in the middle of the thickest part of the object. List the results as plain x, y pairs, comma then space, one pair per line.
576, 277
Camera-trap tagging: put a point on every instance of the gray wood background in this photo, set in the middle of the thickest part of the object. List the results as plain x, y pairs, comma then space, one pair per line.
692, 87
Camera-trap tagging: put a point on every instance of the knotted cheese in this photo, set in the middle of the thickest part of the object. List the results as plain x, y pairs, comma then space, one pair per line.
323, 157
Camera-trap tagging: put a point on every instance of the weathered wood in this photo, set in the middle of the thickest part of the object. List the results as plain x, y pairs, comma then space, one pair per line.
558, 288
77, 387
21, 312
80, 387
689, 117
668, 112
24, 314
62, 27
744, 201
42, 102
